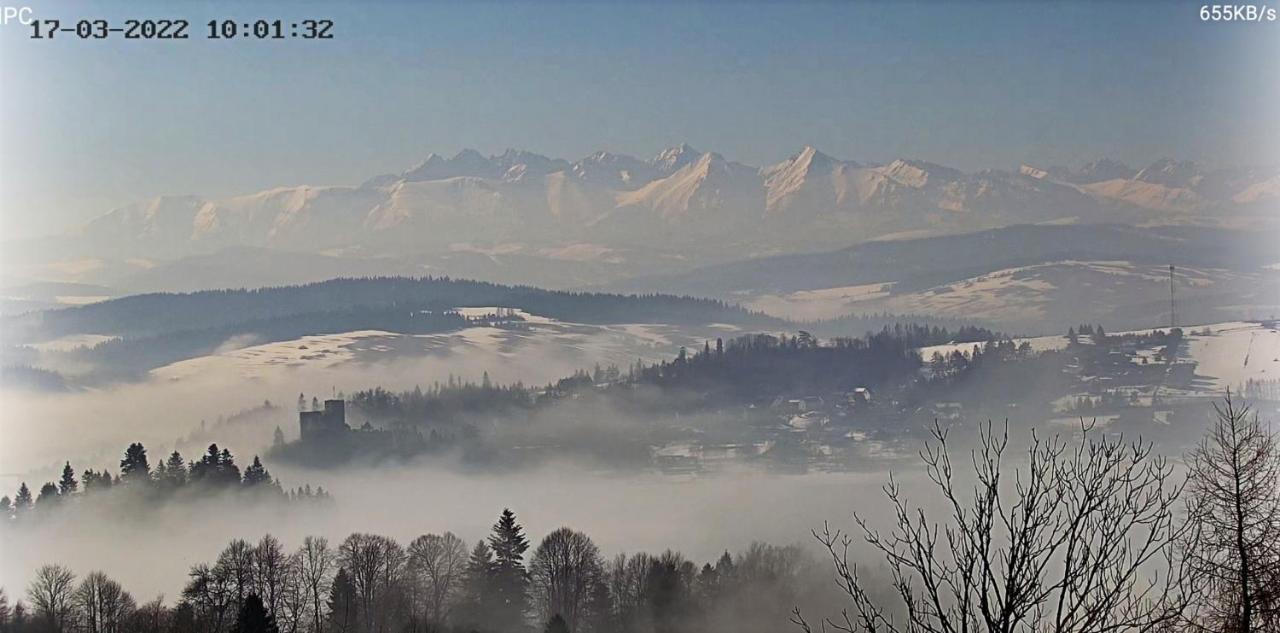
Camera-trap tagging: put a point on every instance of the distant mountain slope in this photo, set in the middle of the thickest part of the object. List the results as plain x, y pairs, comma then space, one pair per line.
1021, 278
1048, 297
923, 262
1051, 296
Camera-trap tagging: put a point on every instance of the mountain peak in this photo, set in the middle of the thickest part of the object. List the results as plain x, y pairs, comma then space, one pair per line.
672, 159
917, 173
615, 170
1170, 173
424, 169
468, 154
1101, 170
810, 158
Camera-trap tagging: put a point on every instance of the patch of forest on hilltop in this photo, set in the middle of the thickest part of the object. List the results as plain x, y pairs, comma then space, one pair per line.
159, 313
158, 329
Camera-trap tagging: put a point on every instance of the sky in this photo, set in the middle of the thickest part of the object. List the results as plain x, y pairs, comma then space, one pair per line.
86, 126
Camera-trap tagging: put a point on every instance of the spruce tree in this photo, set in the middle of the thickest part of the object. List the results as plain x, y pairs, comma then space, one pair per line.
510, 579
344, 613
23, 501
161, 472
68, 484
477, 578
175, 471
206, 468
256, 474
134, 466
253, 617
228, 472
48, 495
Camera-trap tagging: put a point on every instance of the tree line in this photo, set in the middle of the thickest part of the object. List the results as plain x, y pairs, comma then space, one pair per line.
370, 583
744, 369
215, 471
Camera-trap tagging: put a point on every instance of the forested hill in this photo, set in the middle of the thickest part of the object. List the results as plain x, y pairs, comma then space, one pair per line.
166, 313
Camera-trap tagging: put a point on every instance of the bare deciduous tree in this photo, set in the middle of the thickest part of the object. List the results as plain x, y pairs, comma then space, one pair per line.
212, 593
104, 605
438, 562
52, 593
564, 570
628, 579
269, 565
316, 568
294, 597
374, 563
1081, 538
151, 617
1234, 500
235, 564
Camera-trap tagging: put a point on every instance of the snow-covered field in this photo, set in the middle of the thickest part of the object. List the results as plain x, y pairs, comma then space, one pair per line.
1031, 298
1228, 356
826, 303
536, 350
1236, 353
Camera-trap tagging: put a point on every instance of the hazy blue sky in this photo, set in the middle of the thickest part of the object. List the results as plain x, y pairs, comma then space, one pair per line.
85, 126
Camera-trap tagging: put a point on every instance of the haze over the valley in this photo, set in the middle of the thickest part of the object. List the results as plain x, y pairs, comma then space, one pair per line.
746, 269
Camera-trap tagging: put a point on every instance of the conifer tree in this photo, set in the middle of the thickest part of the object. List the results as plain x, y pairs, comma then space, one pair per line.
344, 614
134, 466
161, 472
477, 579
175, 470
68, 484
510, 583
48, 494
253, 617
90, 479
256, 474
23, 501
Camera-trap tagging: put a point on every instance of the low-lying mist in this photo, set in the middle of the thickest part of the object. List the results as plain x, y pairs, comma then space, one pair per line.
89, 427
699, 516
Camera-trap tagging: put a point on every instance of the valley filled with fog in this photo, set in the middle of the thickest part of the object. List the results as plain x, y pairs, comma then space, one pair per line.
643, 471
639, 317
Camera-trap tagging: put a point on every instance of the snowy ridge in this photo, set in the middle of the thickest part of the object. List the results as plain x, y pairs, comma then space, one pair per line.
618, 199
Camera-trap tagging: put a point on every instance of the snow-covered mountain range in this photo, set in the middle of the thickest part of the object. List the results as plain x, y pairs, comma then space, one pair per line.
686, 195
521, 217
